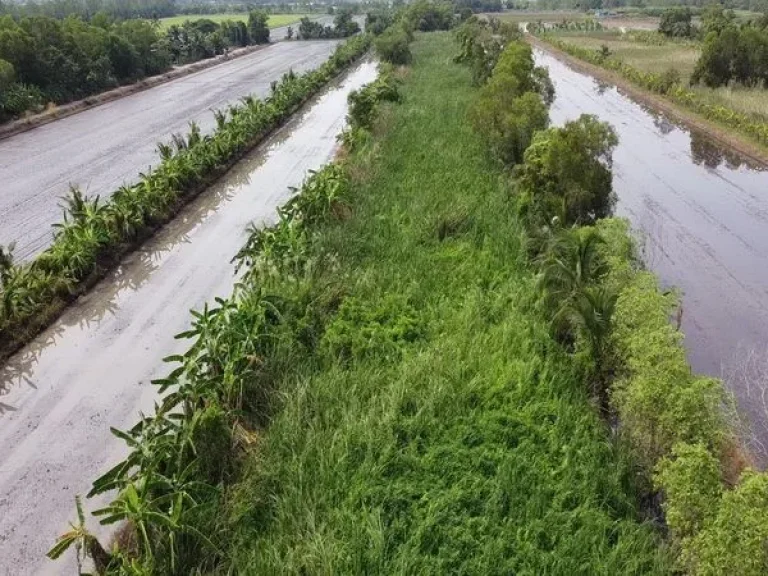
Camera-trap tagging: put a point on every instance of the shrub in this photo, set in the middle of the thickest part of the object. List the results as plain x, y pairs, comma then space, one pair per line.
427, 16
509, 130
736, 540
363, 328
392, 46
692, 488
18, 98
511, 107
377, 22
258, 30
677, 22
363, 102
481, 43
566, 174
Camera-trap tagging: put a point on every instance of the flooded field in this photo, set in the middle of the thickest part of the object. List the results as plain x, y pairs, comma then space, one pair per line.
701, 213
93, 368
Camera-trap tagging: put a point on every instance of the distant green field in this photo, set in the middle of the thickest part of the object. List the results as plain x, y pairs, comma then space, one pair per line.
275, 20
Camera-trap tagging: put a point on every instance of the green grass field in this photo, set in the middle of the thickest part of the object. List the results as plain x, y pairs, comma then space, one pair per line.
647, 57
472, 449
680, 56
275, 20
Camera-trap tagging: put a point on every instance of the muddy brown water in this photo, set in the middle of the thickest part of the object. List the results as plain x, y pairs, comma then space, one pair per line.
92, 369
701, 215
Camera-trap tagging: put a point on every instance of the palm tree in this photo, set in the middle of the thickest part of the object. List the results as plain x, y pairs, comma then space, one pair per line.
571, 262
578, 306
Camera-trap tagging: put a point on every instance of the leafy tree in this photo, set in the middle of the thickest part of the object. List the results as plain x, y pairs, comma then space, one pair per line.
428, 16
377, 22
676, 22
258, 30
344, 25
392, 46
7, 75
509, 129
566, 174
716, 19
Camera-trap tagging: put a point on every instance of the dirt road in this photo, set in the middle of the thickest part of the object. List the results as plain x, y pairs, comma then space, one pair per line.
102, 148
92, 369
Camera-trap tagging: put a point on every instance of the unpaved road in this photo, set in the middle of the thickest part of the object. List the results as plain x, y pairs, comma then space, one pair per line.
702, 213
92, 369
105, 147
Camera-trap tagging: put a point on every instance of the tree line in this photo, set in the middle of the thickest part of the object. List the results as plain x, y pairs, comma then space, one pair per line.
343, 26
44, 59
150, 9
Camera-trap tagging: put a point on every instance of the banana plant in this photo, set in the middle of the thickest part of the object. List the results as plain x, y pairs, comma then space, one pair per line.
86, 544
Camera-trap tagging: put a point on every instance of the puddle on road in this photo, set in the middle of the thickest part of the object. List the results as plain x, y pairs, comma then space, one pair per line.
92, 368
701, 212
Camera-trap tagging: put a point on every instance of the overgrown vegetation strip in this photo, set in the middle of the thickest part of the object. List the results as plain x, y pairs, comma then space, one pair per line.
612, 317
95, 235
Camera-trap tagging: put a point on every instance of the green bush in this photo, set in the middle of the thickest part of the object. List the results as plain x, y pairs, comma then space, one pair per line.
363, 103
392, 46
481, 43
512, 106
692, 487
736, 540
19, 98
363, 329
566, 174
509, 130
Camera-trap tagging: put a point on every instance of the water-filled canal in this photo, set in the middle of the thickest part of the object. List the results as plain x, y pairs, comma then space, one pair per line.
702, 214
92, 369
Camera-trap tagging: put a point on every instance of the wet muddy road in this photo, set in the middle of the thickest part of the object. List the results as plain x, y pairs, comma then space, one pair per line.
102, 148
93, 368
702, 214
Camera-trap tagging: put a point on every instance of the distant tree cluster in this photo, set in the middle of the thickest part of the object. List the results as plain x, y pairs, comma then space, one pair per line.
87, 9
730, 52
343, 26
476, 6
676, 22
43, 59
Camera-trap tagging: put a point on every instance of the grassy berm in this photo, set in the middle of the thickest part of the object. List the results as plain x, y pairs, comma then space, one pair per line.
444, 433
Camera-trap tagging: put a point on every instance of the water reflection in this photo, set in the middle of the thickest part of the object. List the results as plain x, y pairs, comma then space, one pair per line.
703, 212
706, 152
137, 268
